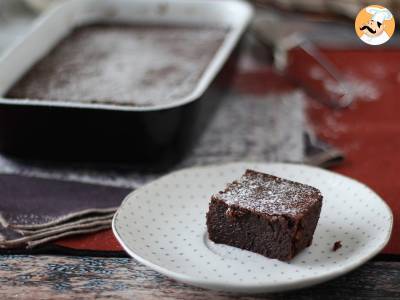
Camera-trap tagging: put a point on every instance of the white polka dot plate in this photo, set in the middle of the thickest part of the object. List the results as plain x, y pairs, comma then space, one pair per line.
163, 226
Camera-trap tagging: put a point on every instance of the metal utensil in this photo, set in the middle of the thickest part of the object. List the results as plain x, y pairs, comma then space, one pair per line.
281, 39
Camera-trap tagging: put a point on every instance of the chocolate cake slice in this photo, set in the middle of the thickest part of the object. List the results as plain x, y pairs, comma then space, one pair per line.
265, 214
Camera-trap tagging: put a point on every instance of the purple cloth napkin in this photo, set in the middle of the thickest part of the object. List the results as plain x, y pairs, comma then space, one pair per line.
35, 210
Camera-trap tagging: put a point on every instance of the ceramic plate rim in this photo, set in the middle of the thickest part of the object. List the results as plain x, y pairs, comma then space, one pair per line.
256, 287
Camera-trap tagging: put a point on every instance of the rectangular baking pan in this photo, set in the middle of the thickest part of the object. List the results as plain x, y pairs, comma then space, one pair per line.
154, 135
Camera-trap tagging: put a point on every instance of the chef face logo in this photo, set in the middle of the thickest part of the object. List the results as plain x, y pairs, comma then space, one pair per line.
374, 25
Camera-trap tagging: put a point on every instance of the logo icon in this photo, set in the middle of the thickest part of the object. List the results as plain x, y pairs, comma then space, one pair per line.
374, 25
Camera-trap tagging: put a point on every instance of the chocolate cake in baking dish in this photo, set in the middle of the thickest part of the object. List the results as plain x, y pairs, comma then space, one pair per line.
265, 214
122, 64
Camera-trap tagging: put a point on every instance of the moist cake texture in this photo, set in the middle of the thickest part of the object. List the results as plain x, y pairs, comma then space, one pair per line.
122, 64
265, 214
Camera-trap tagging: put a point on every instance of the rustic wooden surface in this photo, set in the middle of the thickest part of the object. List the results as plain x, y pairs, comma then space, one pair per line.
57, 277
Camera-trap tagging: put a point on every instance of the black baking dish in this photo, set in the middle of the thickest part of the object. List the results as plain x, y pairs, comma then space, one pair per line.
90, 132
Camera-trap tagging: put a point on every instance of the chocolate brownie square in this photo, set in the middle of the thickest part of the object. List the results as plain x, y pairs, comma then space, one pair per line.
265, 214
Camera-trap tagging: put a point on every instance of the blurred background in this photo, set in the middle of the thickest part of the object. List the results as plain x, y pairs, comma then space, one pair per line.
306, 90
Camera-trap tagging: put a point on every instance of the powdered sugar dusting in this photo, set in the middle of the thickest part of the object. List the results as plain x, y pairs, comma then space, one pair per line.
355, 87
269, 195
123, 64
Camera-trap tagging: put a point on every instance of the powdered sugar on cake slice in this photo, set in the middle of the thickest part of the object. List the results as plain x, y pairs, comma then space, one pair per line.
267, 194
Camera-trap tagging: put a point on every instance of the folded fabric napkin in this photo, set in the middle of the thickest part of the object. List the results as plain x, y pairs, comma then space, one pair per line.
34, 211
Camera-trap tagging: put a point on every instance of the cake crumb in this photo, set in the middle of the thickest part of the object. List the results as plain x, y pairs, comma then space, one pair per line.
337, 245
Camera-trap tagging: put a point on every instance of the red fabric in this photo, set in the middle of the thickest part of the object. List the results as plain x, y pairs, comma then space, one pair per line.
99, 241
368, 132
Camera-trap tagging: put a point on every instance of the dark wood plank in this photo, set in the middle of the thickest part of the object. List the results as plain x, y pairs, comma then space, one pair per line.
51, 277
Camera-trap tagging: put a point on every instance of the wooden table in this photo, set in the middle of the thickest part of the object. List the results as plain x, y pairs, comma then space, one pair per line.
57, 277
